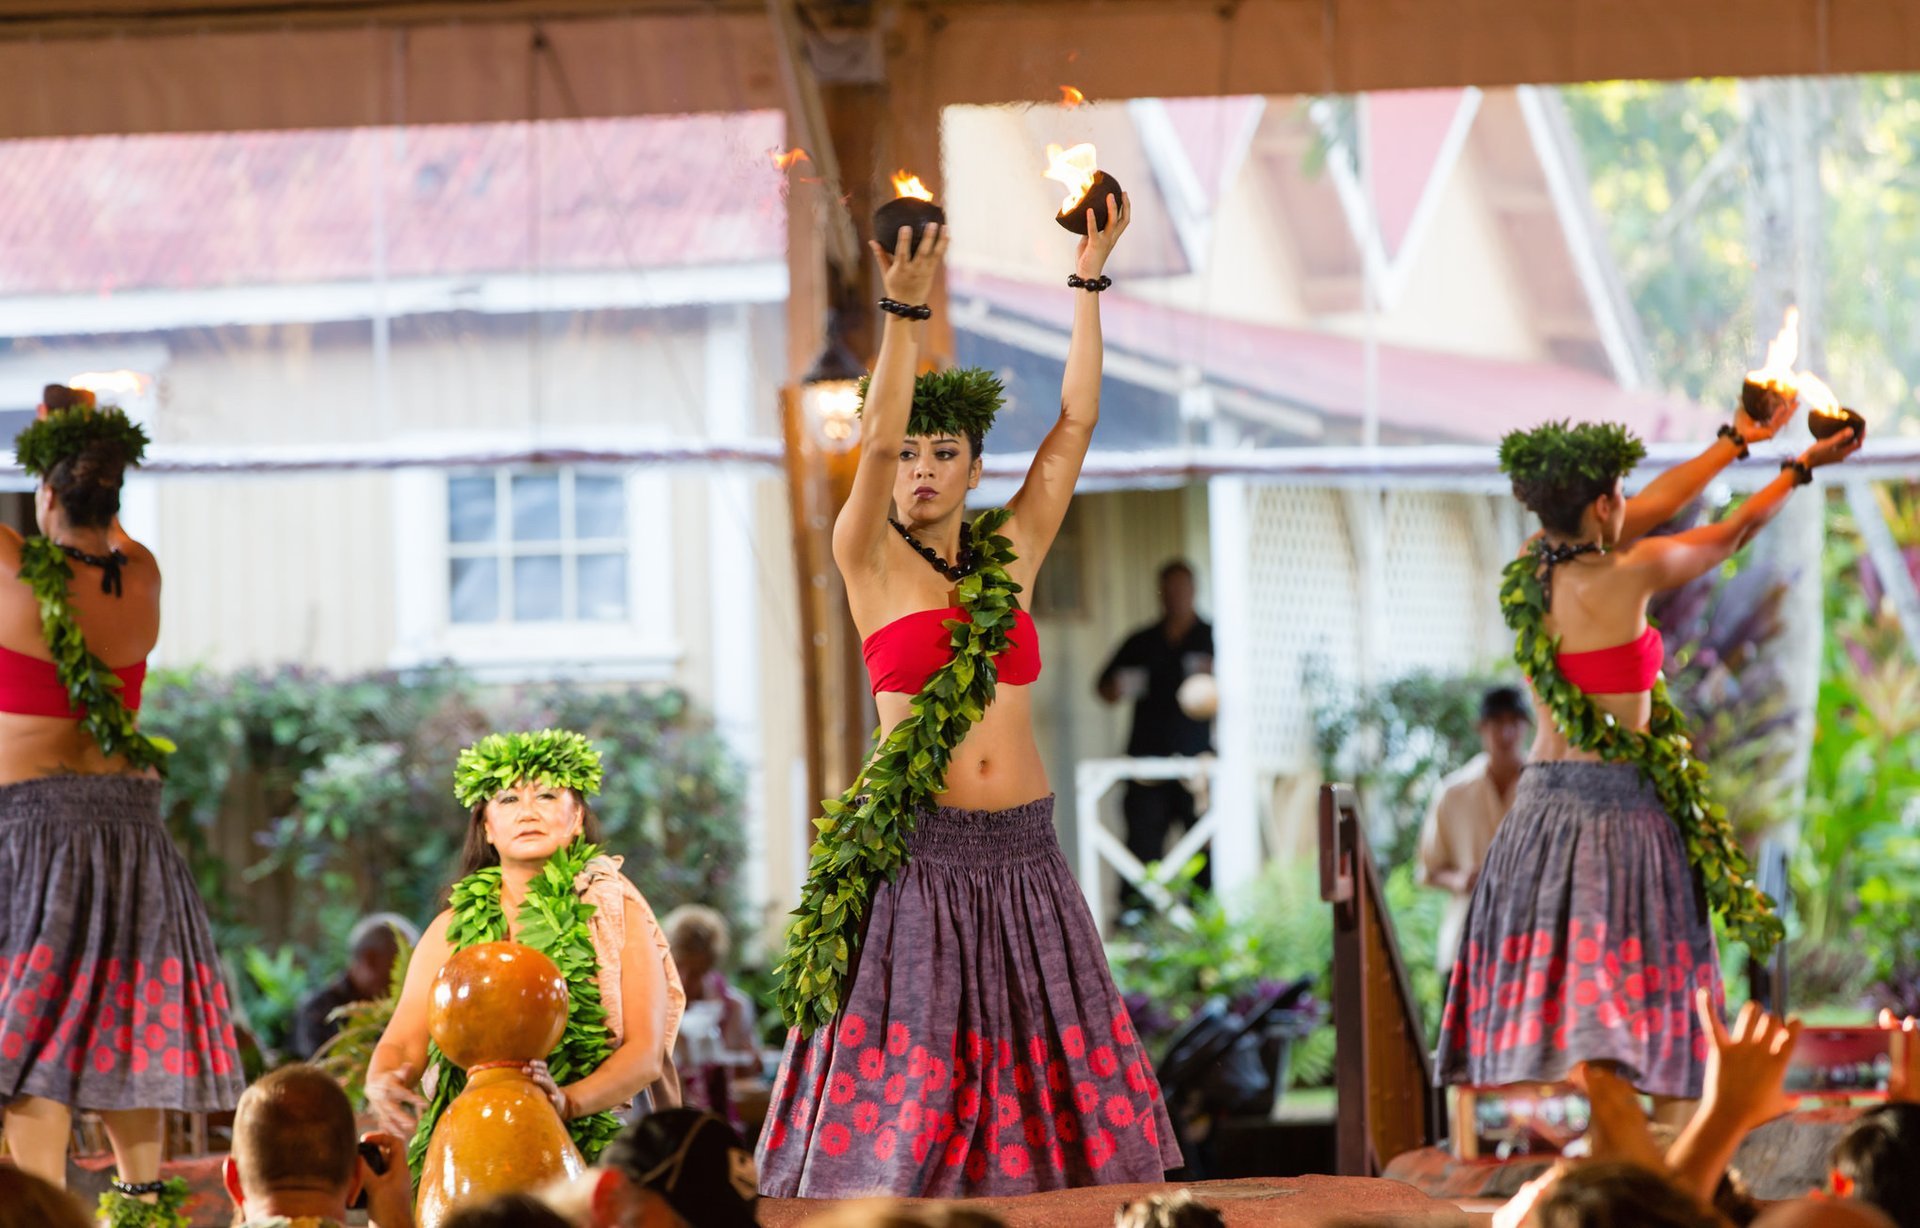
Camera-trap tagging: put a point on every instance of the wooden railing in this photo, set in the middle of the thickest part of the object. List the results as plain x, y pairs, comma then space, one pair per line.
1382, 1075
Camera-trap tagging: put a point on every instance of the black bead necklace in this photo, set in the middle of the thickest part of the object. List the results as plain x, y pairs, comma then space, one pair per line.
110, 565
961, 567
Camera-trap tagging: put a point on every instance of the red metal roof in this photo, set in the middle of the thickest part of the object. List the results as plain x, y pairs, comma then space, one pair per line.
1430, 394
103, 214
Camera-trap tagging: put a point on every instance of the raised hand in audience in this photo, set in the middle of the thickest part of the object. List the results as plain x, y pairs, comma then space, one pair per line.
1745, 1086
1904, 1082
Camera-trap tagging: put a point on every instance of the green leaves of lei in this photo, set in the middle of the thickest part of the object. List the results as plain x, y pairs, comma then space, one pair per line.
863, 835
91, 686
553, 921
1663, 753
117, 1210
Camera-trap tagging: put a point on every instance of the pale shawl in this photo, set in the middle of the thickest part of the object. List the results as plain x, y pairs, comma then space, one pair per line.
602, 885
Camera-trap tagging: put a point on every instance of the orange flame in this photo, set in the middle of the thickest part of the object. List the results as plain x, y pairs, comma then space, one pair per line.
1071, 98
905, 184
788, 160
1076, 168
1777, 371
1815, 395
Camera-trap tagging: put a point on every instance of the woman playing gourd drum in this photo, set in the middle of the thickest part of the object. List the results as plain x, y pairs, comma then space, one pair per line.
955, 1030
1588, 935
111, 993
527, 815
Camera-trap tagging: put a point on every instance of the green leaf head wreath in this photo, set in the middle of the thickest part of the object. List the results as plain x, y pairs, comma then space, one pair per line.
559, 758
65, 433
962, 400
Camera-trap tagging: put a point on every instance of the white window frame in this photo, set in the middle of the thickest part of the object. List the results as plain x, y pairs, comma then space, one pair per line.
644, 646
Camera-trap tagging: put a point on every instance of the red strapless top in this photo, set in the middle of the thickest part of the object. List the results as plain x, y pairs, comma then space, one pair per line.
1624, 669
31, 687
902, 655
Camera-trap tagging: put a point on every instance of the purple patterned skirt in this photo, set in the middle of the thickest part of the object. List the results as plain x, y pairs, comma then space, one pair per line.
1584, 941
111, 995
982, 1048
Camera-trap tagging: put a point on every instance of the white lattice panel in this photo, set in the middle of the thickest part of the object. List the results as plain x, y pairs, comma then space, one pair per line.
1304, 596
1439, 591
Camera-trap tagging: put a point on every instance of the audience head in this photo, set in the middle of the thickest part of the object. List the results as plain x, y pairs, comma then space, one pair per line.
507, 1211
1612, 1194
1177, 589
1822, 1213
1175, 1210
892, 1213
680, 1168
1877, 1162
1504, 719
28, 1202
372, 947
294, 1142
700, 940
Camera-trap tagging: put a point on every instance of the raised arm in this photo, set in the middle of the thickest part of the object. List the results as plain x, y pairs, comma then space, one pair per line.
1668, 562
1041, 503
861, 529
1662, 498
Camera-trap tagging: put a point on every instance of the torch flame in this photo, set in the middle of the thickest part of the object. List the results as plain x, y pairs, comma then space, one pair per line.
1076, 168
1071, 98
112, 383
1815, 396
1781, 352
788, 160
905, 184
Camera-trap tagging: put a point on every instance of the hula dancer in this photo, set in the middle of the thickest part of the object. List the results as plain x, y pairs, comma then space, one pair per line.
111, 993
532, 872
954, 1028
1588, 934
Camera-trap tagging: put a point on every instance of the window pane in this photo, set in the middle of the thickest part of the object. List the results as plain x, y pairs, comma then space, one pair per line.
599, 507
470, 510
474, 594
536, 507
603, 587
537, 594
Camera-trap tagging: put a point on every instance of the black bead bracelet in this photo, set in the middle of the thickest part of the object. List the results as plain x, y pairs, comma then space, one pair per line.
906, 310
1802, 473
1732, 435
1094, 285
140, 1190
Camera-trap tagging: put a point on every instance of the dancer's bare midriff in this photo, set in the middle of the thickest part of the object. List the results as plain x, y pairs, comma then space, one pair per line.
1633, 710
998, 766
36, 746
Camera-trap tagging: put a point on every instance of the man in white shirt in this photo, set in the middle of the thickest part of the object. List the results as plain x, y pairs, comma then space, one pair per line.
1467, 809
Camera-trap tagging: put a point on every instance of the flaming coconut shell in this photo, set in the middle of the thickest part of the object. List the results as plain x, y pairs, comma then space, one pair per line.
1826, 423
1764, 402
905, 211
1095, 198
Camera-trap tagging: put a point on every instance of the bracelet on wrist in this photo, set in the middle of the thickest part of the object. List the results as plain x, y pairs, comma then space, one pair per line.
1731, 433
906, 311
1802, 472
1093, 285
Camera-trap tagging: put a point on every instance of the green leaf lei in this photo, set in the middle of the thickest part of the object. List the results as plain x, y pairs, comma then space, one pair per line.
117, 1210
499, 761
553, 921
1663, 753
91, 686
863, 835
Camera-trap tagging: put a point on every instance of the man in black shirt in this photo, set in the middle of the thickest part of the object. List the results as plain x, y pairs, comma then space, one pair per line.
371, 949
1149, 669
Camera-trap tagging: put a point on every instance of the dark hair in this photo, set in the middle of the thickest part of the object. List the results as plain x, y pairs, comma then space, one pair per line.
87, 484
476, 853
295, 1128
26, 1201
1502, 701
1613, 1194
507, 1211
1176, 565
1561, 501
1176, 1210
1880, 1154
